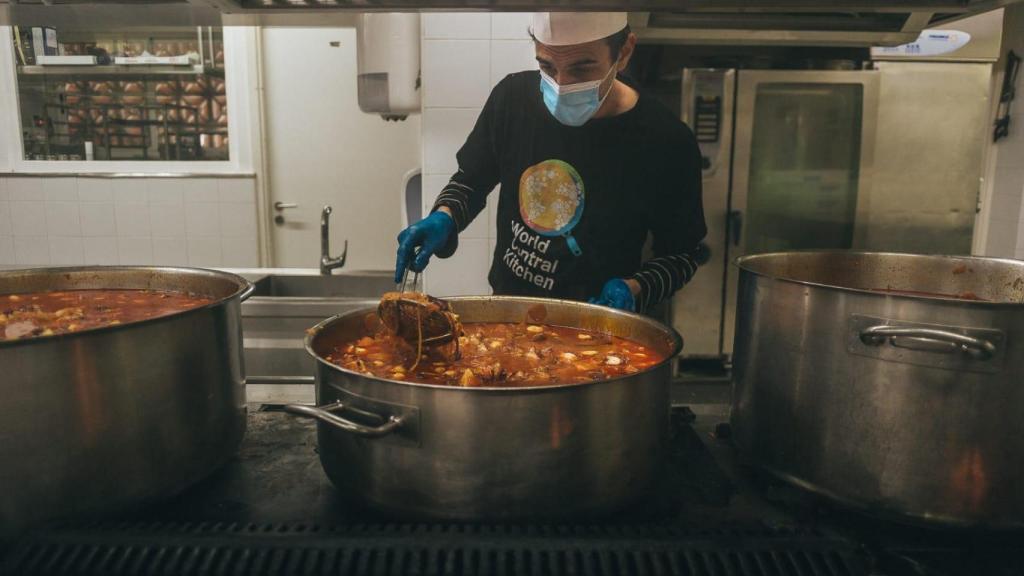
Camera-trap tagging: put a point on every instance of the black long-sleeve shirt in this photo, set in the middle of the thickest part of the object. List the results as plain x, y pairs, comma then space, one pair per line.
576, 204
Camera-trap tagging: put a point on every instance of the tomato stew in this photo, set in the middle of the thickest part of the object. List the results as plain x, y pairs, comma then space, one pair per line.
500, 355
60, 312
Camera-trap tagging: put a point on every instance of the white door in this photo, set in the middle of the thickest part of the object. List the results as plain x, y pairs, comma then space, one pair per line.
802, 164
323, 150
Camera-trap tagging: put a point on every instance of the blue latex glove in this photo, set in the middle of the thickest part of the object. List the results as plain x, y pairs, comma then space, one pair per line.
429, 235
616, 294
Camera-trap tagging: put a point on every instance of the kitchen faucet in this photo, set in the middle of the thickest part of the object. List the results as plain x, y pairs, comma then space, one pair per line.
326, 262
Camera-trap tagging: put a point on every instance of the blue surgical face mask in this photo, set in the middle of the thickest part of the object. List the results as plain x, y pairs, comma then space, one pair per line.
574, 104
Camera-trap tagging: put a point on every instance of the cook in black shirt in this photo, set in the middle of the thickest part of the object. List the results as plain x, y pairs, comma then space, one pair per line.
587, 167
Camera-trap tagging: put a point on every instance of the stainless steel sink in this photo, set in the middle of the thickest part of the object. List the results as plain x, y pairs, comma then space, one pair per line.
283, 306
355, 285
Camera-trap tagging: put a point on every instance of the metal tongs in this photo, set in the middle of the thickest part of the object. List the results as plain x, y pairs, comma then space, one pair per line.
433, 326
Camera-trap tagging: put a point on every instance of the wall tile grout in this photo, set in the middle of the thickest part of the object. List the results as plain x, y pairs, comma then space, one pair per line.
85, 241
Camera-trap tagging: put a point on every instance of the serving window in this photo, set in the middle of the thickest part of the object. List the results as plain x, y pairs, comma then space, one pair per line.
144, 94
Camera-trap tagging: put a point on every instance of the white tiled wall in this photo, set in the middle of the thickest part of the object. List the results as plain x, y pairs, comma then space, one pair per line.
163, 221
463, 57
1006, 223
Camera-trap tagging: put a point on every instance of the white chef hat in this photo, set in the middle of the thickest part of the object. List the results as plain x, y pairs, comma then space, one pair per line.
566, 28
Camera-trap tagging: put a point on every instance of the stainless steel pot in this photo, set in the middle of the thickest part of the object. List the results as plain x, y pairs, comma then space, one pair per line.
900, 404
101, 419
497, 453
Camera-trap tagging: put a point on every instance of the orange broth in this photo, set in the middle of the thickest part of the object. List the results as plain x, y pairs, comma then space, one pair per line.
64, 311
501, 355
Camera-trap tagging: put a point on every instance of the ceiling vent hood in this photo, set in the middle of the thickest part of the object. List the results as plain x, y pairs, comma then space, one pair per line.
795, 23
733, 22
838, 28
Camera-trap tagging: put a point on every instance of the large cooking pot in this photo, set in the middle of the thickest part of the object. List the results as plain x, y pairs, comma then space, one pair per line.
420, 450
904, 404
101, 419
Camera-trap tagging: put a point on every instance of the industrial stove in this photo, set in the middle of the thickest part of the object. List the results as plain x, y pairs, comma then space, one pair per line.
272, 510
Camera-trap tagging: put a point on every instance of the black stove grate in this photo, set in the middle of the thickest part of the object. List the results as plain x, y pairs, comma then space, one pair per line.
230, 549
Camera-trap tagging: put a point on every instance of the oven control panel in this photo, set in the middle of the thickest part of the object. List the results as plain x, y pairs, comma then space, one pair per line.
704, 96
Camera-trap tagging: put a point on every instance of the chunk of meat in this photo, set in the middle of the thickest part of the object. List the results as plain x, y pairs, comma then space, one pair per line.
413, 317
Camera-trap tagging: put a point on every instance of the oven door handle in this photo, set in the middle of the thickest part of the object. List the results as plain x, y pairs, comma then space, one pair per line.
929, 340
735, 226
326, 414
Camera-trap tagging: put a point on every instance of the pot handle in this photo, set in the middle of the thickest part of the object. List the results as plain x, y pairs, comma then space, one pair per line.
249, 289
326, 415
930, 340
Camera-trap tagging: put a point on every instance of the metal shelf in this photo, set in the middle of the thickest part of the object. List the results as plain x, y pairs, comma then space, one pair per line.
153, 144
120, 70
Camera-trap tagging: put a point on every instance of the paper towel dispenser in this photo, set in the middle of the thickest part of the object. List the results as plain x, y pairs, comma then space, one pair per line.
388, 64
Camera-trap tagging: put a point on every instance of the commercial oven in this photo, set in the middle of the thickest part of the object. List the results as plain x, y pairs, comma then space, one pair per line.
887, 158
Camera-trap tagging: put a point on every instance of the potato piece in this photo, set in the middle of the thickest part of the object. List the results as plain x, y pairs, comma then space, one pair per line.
534, 329
468, 378
584, 336
613, 360
567, 357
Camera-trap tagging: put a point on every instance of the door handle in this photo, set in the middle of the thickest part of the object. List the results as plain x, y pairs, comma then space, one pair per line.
735, 225
279, 206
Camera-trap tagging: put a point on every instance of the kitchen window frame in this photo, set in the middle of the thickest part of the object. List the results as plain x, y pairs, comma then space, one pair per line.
240, 74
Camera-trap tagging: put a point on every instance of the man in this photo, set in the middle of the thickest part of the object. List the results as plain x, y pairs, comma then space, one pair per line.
588, 167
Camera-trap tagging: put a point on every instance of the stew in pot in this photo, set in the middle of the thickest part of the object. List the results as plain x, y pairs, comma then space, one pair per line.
61, 312
499, 355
